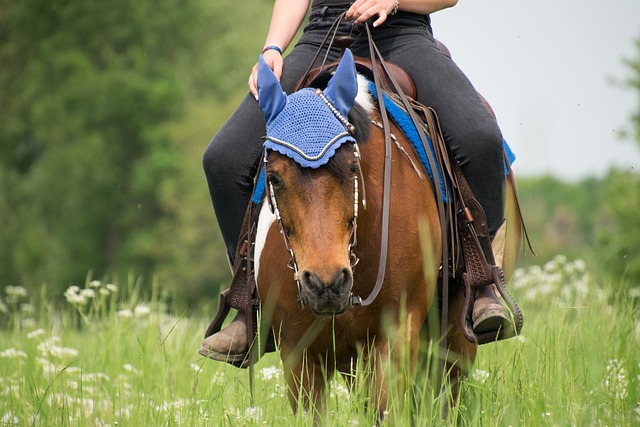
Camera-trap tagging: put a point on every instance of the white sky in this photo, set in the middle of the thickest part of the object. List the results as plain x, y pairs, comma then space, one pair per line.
546, 68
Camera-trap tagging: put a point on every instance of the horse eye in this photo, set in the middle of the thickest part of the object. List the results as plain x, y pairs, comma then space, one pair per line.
274, 179
354, 168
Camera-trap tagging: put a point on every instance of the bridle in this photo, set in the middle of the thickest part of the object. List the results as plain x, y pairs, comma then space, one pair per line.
353, 240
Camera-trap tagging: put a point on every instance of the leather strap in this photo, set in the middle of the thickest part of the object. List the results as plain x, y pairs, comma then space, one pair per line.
408, 106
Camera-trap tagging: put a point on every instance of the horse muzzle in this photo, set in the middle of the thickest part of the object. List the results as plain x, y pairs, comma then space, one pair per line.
327, 294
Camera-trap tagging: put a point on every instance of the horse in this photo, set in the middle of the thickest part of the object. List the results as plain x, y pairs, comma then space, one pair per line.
318, 241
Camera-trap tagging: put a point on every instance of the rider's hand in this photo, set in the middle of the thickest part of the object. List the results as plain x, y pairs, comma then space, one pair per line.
362, 10
274, 60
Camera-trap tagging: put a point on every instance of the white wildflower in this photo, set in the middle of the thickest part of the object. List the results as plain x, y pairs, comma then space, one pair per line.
15, 293
634, 293
9, 419
45, 345
340, 391
130, 368
218, 378
480, 376
616, 381
63, 352
49, 347
95, 284
579, 266
88, 293
253, 413
142, 310
126, 313
3, 307
95, 377
104, 292
73, 370
12, 353
112, 288
269, 373
48, 368
73, 296
124, 412
36, 333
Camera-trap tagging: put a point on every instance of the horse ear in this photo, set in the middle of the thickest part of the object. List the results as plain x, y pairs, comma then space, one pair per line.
271, 97
343, 86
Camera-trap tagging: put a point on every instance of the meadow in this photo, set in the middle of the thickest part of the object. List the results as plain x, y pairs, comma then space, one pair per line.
110, 356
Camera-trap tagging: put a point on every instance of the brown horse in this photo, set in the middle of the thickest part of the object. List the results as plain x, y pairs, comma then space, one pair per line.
305, 254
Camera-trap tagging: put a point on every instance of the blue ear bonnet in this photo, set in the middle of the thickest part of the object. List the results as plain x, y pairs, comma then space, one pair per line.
306, 130
309, 125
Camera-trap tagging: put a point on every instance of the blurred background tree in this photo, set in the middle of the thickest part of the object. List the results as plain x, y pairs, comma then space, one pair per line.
619, 234
107, 109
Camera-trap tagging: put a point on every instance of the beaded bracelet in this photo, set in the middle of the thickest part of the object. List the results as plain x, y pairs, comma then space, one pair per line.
395, 8
272, 47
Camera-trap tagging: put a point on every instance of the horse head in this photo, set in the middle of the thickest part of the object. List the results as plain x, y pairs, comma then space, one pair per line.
312, 165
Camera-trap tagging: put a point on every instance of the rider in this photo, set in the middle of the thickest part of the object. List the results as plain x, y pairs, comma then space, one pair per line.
402, 31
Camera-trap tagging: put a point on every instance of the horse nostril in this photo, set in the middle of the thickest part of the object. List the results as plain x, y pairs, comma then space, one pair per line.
342, 281
311, 281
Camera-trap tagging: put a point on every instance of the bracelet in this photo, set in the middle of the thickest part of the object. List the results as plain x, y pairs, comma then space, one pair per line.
274, 47
395, 8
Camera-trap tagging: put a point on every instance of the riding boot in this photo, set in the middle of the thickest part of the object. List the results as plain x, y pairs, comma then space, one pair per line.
234, 343
230, 344
489, 315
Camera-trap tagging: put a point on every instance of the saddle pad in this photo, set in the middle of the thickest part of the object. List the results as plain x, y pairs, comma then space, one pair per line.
404, 122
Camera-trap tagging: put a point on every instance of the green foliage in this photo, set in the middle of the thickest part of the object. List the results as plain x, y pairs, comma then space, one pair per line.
107, 109
559, 215
618, 235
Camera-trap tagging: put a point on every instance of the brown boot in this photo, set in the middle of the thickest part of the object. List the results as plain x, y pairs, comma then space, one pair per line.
489, 315
228, 345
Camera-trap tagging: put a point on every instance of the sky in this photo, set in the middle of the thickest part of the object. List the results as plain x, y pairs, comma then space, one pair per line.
547, 67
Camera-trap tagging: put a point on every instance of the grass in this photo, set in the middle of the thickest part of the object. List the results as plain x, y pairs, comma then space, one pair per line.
112, 357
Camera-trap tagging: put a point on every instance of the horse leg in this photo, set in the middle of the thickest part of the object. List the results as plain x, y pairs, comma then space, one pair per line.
395, 359
305, 380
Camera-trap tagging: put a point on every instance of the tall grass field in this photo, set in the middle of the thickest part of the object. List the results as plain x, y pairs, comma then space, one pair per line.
110, 356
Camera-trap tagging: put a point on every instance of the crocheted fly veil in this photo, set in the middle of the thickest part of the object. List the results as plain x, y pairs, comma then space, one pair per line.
309, 125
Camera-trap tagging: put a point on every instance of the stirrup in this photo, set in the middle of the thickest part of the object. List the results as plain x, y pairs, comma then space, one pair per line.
467, 311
